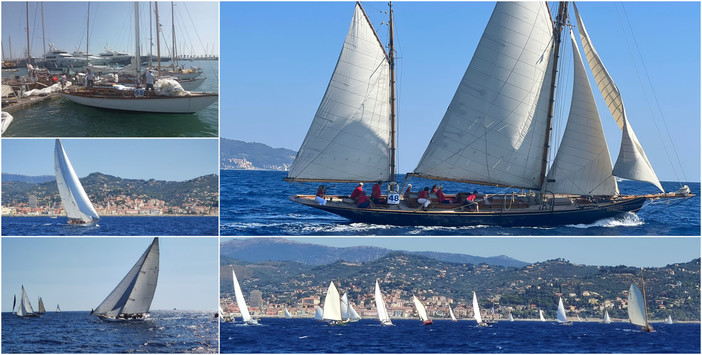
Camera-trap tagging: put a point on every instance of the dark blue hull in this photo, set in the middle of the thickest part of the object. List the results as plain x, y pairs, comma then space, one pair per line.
524, 218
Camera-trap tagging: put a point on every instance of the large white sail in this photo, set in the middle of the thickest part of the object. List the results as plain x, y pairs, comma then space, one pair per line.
353, 315
632, 162
318, 313
606, 319
75, 200
349, 138
421, 311
453, 317
541, 316
636, 307
511, 318
287, 313
240, 300
25, 308
494, 129
476, 309
332, 304
582, 165
561, 315
380, 306
42, 309
133, 295
345, 314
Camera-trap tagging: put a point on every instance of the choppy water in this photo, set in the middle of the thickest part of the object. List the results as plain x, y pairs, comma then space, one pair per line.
410, 336
165, 225
256, 203
62, 118
79, 332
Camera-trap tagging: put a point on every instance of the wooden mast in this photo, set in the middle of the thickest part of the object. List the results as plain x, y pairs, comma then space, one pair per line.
29, 56
557, 31
158, 39
643, 289
174, 60
392, 97
137, 54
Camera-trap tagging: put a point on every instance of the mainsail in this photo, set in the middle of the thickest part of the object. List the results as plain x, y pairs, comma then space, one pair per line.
287, 313
75, 200
637, 307
421, 311
494, 129
332, 304
25, 308
42, 309
349, 138
133, 295
476, 309
380, 306
240, 301
541, 316
561, 315
632, 162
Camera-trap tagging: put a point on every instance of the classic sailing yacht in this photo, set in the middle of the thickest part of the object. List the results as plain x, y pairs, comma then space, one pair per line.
58, 309
383, 316
75, 201
476, 312
332, 306
669, 320
561, 315
25, 308
241, 302
421, 311
347, 311
132, 297
495, 132
541, 316
637, 308
510, 318
287, 313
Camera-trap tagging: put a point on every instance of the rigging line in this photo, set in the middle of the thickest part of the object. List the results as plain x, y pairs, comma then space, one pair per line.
655, 97
195, 27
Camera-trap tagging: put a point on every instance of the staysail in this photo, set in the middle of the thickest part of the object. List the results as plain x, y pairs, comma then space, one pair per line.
561, 315
353, 314
582, 165
75, 200
637, 307
332, 304
345, 312
632, 162
240, 300
494, 129
421, 311
133, 295
42, 309
380, 306
349, 138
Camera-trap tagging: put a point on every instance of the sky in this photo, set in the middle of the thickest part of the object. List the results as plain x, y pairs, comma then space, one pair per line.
78, 273
276, 75
161, 159
602, 251
111, 24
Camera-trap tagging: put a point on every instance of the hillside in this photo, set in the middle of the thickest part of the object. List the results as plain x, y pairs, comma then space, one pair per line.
236, 154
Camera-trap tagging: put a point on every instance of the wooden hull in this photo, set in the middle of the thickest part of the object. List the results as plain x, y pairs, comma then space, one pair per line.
157, 104
522, 217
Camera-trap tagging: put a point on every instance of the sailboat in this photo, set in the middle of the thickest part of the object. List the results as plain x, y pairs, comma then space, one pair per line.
421, 311
75, 201
42, 309
561, 315
637, 309
58, 309
496, 132
136, 99
383, 316
14, 302
25, 308
669, 320
287, 313
606, 319
332, 306
241, 302
476, 312
510, 318
453, 317
318, 313
131, 298
541, 316
353, 315
347, 311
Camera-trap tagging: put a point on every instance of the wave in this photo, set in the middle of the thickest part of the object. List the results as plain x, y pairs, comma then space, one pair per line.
630, 219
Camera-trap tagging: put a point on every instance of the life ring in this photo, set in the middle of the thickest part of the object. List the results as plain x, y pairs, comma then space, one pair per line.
393, 187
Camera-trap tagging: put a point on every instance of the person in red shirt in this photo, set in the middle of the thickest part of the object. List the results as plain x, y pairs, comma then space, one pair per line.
319, 198
441, 197
363, 201
423, 198
376, 192
408, 191
470, 201
357, 192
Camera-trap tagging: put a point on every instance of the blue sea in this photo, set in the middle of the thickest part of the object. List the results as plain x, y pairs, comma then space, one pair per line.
277, 335
62, 118
256, 203
79, 332
145, 226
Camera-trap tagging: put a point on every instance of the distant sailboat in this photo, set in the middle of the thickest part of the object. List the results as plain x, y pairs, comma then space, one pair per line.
383, 316
318, 313
354, 317
75, 201
25, 308
669, 320
606, 319
541, 316
638, 311
510, 318
58, 309
287, 313
332, 306
347, 311
132, 297
42, 309
241, 302
476, 312
14, 302
453, 317
561, 315
421, 311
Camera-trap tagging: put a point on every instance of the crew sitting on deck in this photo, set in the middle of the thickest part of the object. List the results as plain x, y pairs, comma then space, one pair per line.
433, 190
440, 195
470, 202
357, 192
423, 198
363, 201
408, 192
319, 198
376, 193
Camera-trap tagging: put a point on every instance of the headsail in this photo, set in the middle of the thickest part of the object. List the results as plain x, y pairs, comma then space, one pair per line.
421, 311
332, 304
476, 309
353, 314
349, 138
632, 162
318, 313
380, 306
494, 129
582, 165
345, 313
133, 295
75, 200
240, 300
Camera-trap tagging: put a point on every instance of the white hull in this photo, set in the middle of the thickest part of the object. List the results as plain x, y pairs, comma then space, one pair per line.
6, 120
160, 104
191, 84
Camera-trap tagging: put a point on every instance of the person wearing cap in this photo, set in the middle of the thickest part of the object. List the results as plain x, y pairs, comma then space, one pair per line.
357, 192
408, 191
423, 198
319, 198
149, 81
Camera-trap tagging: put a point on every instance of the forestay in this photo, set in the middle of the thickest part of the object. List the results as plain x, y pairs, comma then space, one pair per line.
349, 138
632, 162
494, 129
75, 200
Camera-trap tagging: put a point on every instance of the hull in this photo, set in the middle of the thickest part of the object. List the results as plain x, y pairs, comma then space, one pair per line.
124, 317
503, 218
156, 104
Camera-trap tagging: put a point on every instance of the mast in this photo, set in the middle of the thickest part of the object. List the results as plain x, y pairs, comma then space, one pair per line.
643, 287
29, 56
43, 37
392, 97
158, 39
151, 39
137, 53
557, 30
87, 39
173, 37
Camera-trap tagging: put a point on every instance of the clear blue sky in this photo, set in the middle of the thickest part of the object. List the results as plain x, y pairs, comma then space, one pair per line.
276, 75
78, 273
160, 159
611, 251
111, 24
